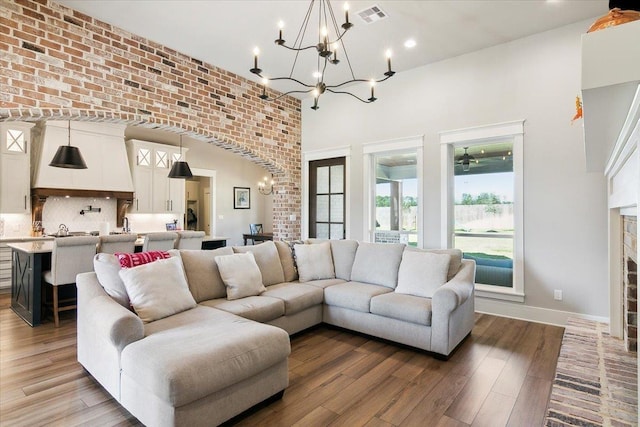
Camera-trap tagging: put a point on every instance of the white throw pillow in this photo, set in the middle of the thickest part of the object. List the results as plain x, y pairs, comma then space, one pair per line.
422, 273
241, 275
314, 262
158, 289
107, 268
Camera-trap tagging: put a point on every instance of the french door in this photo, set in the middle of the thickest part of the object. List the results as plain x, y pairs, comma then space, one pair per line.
327, 194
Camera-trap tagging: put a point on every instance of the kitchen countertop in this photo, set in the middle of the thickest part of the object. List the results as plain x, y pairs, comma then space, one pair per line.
34, 247
24, 239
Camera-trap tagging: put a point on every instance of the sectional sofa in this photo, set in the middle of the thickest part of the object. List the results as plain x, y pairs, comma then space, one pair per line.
201, 336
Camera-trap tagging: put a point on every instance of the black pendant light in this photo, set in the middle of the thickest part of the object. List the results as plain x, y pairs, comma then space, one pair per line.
68, 156
180, 169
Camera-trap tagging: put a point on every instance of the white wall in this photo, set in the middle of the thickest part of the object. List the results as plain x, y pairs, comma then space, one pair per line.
537, 79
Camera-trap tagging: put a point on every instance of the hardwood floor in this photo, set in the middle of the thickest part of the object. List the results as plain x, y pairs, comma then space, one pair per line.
501, 375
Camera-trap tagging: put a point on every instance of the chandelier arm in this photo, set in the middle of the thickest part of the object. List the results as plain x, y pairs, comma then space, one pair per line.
366, 101
292, 79
285, 94
356, 81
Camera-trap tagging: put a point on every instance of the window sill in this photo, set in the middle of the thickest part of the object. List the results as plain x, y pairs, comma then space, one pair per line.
497, 292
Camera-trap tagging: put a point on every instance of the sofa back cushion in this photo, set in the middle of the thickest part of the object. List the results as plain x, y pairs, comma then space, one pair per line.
377, 263
202, 272
241, 275
422, 273
454, 264
268, 260
343, 253
158, 289
314, 262
285, 252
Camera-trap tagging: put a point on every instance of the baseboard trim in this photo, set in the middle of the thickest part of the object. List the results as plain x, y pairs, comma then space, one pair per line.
529, 313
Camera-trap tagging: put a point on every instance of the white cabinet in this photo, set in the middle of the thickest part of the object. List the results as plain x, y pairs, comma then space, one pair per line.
155, 192
15, 185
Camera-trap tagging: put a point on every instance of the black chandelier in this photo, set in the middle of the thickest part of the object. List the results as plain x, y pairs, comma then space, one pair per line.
330, 40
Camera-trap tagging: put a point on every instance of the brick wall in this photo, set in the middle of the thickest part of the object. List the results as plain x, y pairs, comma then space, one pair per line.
630, 277
57, 63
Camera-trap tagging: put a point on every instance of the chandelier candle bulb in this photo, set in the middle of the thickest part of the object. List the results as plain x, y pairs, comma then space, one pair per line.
346, 13
388, 60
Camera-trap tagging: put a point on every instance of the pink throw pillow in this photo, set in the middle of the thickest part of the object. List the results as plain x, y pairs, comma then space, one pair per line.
133, 260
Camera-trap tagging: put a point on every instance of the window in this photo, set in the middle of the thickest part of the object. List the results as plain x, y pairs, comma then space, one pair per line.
393, 171
396, 198
482, 204
327, 198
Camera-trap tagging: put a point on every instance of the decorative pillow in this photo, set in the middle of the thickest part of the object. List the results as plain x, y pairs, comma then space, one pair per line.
107, 268
454, 264
422, 273
241, 275
285, 252
202, 272
314, 262
140, 258
158, 289
377, 263
268, 260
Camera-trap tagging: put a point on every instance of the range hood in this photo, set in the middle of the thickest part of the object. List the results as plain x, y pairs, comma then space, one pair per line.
103, 148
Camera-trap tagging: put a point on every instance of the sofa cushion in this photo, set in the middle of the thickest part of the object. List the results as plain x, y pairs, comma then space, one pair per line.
343, 253
240, 275
296, 296
353, 295
158, 289
408, 308
202, 272
456, 258
107, 268
422, 273
314, 262
258, 308
285, 252
268, 260
377, 263
200, 351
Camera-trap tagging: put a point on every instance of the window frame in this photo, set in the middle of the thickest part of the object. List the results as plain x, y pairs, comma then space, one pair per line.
481, 135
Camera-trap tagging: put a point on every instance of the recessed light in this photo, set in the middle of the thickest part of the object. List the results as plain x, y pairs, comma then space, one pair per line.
410, 43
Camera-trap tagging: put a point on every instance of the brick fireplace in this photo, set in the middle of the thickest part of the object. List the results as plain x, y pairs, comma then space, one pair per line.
630, 281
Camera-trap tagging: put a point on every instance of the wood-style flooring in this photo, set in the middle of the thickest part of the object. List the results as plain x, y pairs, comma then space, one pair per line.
500, 376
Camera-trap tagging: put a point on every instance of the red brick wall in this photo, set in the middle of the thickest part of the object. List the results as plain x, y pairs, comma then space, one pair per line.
58, 63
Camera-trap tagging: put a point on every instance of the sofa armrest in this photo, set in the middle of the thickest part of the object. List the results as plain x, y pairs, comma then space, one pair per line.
457, 290
452, 306
103, 317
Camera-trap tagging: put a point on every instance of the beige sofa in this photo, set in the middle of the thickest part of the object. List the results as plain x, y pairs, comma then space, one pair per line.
218, 357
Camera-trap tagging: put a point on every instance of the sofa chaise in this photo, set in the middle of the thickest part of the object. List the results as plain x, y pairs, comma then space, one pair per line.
198, 337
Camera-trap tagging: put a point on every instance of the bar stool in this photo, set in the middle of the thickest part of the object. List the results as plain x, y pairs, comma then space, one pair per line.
117, 243
190, 239
162, 241
70, 256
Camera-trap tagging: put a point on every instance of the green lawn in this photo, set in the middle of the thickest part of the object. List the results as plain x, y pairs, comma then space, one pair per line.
495, 248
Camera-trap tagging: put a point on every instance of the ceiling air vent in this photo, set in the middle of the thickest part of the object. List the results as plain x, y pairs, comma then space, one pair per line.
372, 14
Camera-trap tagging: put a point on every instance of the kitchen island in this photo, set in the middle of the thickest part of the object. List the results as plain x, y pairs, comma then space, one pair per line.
28, 261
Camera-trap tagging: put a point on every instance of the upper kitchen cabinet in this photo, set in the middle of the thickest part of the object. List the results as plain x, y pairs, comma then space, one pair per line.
155, 192
15, 186
102, 147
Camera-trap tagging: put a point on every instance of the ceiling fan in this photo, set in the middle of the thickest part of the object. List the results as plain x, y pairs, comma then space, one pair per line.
465, 160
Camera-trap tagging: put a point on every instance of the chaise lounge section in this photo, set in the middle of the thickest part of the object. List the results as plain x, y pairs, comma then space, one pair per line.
223, 346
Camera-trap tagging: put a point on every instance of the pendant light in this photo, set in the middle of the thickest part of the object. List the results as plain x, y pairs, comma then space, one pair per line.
68, 156
180, 169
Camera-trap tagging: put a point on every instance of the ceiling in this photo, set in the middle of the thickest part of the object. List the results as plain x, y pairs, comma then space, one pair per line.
224, 33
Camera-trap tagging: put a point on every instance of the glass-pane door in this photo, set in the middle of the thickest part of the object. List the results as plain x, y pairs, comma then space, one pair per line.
327, 198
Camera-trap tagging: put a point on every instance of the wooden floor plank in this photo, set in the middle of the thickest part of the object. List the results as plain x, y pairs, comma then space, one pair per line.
335, 377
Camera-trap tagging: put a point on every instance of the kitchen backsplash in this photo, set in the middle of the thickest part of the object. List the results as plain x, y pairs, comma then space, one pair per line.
61, 210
